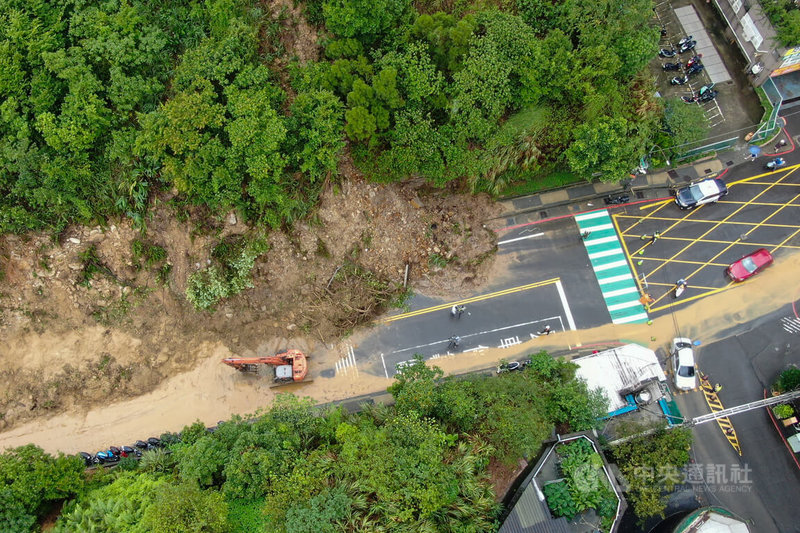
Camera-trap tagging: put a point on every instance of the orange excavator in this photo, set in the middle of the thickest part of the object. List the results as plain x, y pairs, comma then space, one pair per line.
290, 366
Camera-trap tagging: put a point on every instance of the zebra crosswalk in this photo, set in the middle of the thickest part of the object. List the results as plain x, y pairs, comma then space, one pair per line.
790, 324
611, 267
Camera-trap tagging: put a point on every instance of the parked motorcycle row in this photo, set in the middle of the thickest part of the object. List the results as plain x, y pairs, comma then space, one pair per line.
115, 454
692, 67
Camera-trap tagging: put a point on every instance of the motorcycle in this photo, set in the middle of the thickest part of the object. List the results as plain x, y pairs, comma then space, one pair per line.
672, 66
155, 442
695, 70
707, 96
127, 451
685, 47
775, 164
88, 459
695, 60
686, 40
680, 286
667, 53
679, 81
616, 200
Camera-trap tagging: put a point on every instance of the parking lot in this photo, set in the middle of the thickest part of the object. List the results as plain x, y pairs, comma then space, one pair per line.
736, 110
762, 211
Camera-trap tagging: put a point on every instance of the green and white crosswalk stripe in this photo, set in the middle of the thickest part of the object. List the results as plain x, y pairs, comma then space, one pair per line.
611, 268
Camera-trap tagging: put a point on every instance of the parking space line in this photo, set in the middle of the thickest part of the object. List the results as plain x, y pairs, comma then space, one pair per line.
714, 241
781, 245
682, 261
732, 222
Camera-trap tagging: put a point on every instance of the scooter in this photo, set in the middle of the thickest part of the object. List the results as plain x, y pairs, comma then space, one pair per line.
686, 40
695, 60
775, 164
707, 95
667, 53
672, 66
88, 459
680, 286
679, 81
685, 47
695, 70
616, 200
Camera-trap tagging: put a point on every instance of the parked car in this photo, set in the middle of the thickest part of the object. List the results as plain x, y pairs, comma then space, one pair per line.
683, 364
703, 192
749, 265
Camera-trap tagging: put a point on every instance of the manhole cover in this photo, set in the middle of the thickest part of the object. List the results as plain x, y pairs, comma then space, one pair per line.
542, 214
708, 171
728, 163
672, 174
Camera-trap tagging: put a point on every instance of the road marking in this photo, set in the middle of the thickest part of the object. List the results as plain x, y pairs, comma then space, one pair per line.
495, 330
621, 277
474, 299
622, 305
565, 306
384, 367
347, 362
730, 244
606, 253
519, 238
714, 403
601, 240
613, 264
790, 324
611, 269
590, 215
620, 292
599, 227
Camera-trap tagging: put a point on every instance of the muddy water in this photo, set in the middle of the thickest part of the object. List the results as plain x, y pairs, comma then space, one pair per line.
212, 391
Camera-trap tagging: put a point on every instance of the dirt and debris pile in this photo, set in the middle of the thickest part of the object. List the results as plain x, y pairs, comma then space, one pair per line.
101, 312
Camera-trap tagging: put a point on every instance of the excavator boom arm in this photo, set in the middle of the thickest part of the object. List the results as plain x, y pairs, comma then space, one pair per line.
295, 358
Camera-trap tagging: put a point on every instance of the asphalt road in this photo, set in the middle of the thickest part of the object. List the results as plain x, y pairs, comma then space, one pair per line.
745, 364
548, 279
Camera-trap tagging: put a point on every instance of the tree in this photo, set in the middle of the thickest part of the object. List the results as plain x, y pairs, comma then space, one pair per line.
186, 509
683, 124
364, 20
29, 478
320, 514
316, 133
604, 146
789, 379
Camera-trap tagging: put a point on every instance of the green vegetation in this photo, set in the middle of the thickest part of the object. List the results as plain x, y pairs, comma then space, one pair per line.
683, 125
105, 104
786, 18
418, 466
651, 465
230, 275
789, 380
783, 410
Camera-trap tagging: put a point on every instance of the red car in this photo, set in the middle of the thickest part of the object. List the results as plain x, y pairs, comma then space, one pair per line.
749, 265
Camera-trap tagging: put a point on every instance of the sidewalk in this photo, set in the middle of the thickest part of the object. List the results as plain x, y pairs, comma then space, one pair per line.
575, 199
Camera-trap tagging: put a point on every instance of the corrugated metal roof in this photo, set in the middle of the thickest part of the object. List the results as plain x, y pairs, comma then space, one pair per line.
619, 369
530, 515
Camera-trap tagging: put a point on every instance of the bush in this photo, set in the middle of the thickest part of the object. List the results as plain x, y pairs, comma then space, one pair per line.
783, 411
559, 500
789, 380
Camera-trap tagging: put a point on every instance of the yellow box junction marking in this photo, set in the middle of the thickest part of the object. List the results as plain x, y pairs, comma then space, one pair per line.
714, 403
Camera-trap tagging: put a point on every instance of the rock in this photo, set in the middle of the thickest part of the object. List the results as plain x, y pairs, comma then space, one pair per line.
75, 266
264, 310
228, 315
232, 219
74, 240
291, 327
436, 249
113, 227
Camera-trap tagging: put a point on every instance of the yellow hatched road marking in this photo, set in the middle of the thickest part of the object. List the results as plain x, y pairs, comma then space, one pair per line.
714, 403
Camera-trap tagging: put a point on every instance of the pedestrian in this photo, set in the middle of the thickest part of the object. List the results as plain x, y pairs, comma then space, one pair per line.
729, 432
546, 330
453, 311
780, 144
460, 310
717, 387
454, 341
655, 237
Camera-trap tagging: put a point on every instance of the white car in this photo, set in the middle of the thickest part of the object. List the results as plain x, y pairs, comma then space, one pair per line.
683, 364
